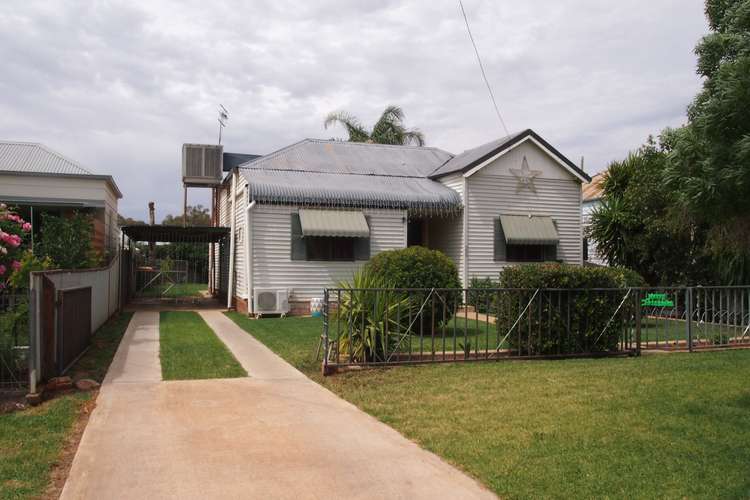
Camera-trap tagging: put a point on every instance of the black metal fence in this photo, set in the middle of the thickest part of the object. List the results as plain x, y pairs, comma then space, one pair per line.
394, 326
14, 341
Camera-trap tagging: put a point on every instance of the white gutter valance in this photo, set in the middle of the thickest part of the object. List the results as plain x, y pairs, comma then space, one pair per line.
341, 223
529, 230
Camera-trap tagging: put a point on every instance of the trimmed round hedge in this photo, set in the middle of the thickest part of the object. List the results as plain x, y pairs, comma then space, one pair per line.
420, 267
567, 316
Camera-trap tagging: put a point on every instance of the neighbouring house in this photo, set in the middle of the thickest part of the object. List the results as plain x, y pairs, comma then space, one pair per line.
35, 180
592, 198
311, 214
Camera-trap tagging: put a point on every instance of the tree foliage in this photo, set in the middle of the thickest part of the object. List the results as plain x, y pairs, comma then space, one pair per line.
680, 211
66, 241
709, 165
389, 129
639, 226
197, 215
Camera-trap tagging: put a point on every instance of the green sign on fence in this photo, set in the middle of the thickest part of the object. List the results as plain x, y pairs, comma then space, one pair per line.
657, 300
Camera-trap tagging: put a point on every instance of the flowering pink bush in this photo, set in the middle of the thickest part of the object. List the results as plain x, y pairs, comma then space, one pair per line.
13, 230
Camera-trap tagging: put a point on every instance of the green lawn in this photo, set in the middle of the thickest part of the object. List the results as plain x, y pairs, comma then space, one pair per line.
175, 291
31, 440
674, 426
189, 349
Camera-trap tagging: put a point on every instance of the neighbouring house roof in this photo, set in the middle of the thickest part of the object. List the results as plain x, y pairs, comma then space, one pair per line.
593, 190
471, 158
345, 174
232, 160
34, 159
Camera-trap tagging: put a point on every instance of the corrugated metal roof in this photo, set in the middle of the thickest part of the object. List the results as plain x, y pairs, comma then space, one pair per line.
345, 174
339, 157
344, 223
231, 160
529, 230
337, 190
36, 158
473, 157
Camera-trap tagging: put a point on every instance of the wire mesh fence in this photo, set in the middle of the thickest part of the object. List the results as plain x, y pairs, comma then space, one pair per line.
14, 341
399, 325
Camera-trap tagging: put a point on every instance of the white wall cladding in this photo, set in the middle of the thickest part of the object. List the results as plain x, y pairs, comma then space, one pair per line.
494, 190
221, 270
240, 209
274, 268
446, 234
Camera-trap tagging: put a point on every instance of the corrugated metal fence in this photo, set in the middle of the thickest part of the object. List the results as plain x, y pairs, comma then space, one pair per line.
65, 308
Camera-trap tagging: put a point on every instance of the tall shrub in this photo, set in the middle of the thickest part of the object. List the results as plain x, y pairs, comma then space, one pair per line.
13, 233
570, 318
420, 267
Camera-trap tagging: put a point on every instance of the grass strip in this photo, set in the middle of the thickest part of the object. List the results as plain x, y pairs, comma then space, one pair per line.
190, 350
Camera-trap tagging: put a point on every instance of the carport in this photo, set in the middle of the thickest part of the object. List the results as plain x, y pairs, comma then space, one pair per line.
175, 265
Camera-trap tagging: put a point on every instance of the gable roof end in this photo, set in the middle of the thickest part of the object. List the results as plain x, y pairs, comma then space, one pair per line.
471, 158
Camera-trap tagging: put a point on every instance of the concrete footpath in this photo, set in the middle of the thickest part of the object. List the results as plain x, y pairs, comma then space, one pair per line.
274, 434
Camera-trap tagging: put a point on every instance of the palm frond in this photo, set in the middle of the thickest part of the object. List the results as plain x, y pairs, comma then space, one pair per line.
414, 136
357, 132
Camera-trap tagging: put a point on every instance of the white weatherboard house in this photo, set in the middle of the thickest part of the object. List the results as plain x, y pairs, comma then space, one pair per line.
311, 214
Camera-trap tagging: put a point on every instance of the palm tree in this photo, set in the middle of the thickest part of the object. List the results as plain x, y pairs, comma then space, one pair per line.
389, 129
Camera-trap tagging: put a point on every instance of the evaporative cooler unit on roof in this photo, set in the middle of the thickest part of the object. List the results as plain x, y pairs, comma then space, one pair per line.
202, 165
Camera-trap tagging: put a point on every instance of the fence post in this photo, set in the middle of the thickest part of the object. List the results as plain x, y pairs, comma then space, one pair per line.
325, 333
638, 322
689, 316
33, 345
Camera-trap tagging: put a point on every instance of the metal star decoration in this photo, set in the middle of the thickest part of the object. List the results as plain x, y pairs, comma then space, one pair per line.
525, 176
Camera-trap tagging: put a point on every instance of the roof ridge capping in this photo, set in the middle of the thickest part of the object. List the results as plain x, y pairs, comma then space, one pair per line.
470, 158
375, 144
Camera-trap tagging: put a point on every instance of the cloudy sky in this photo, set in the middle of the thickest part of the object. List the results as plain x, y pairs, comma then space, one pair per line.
119, 86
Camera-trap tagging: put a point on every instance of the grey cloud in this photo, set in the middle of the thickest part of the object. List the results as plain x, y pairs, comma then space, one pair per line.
120, 85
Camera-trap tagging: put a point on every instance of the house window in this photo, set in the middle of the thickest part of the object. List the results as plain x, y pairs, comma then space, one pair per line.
525, 239
531, 253
326, 248
330, 248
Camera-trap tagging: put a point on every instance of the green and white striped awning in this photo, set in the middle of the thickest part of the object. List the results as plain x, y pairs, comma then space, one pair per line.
529, 230
341, 223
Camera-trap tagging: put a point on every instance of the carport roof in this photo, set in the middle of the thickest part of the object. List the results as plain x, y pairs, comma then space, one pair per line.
176, 234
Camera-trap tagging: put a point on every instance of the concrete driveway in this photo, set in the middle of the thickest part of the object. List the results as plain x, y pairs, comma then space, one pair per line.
274, 434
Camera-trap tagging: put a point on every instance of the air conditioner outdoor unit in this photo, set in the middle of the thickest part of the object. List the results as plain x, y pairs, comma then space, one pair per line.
202, 164
271, 301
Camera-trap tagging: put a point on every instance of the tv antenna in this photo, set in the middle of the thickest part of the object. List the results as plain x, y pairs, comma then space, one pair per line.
223, 119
